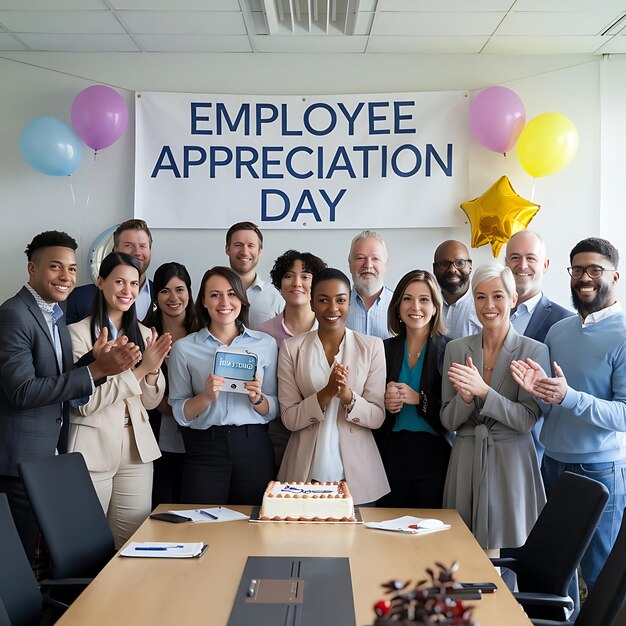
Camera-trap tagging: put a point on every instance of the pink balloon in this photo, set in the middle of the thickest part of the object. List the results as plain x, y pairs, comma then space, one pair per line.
497, 117
99, 116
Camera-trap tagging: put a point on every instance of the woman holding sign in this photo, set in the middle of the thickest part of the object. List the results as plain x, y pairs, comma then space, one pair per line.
223, 393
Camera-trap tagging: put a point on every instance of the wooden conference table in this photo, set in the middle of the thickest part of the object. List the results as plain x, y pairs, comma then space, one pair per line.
177, 592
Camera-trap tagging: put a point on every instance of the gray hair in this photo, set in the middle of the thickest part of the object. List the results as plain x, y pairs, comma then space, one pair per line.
368, 234
494, 270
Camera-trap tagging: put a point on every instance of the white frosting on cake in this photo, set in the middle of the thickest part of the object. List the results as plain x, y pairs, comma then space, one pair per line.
307, 501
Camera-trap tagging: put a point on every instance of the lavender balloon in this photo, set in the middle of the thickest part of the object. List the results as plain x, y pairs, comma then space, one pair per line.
99, 116
497, 117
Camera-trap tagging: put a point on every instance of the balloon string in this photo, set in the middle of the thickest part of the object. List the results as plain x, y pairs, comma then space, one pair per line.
73, 196
532, 195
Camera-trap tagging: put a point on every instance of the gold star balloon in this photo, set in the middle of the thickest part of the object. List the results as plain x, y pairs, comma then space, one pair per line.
497, 215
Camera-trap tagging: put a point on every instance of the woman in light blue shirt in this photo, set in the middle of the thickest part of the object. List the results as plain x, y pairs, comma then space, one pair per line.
229, 457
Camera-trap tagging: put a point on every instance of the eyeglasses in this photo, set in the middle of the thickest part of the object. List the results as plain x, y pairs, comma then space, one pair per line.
459, 264
593, 271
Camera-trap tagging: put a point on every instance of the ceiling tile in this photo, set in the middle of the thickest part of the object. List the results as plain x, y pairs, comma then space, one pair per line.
79, 43
555, 23
181, 23
433, 24
8, 42
363, 23
569, 6
60, 22
194, 43
355, 44
542, 45
438, 6
59, 5
427, 45
612, 45
177, 5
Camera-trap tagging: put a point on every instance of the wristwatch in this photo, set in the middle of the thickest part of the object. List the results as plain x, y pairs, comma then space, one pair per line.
261, 398
350, 405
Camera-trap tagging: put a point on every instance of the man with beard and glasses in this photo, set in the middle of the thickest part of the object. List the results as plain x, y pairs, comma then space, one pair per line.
452, 268
369, 300
584, 404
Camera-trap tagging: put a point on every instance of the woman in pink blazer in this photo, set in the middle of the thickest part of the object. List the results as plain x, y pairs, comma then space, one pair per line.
331, 387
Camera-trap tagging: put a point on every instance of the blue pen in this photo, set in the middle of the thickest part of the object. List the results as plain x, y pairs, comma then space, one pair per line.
207, 514
160, 548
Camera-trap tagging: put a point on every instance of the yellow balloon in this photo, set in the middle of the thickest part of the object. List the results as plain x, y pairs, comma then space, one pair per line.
547, 144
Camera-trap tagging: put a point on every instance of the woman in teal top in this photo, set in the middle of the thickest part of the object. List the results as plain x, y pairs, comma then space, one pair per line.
412, 442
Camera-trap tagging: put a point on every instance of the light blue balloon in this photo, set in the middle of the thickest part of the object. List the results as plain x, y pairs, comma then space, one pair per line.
50, 146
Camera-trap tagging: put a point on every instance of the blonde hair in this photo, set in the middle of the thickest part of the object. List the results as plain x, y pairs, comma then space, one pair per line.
495, 270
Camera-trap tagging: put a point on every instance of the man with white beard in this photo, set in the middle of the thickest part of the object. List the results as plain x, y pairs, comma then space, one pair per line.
369, 299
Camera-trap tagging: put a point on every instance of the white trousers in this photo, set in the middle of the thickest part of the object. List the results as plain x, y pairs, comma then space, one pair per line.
125, 492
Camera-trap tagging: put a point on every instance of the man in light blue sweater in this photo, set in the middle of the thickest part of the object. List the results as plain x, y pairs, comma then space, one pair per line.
585, 402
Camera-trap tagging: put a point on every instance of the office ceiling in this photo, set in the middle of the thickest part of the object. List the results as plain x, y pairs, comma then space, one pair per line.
515, 27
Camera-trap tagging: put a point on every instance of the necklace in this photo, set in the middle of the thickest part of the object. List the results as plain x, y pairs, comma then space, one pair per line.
489, 369
414, 356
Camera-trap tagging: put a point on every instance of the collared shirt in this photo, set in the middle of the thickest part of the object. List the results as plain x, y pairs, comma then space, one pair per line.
521, 318
276, 328
265, 302
143, 302
602, 314
191, 362
52, 313
460, 317
372, 321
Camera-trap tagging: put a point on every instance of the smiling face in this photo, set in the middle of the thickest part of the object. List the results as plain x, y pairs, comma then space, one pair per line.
244, 251
590, 295
52, 273
172, 300
416, 308
368, 264
493, 304
137, 244
526, 257
330, 303
221, 301
453, 281
120, 288
295, 285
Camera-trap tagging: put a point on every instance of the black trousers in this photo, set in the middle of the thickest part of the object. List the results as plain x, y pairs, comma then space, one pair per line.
23, 516
416, 464
168, 478
227, 464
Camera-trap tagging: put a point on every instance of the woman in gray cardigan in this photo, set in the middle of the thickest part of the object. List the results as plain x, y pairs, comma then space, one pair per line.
493, 478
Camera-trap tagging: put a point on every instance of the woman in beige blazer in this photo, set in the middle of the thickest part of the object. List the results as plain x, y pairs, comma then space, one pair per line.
111, 427
331, 387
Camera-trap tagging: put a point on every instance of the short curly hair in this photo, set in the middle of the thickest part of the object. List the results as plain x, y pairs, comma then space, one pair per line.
285, 261
600, 246
49, 239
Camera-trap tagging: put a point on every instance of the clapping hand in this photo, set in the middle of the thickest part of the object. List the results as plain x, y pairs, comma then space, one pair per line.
467, 381
530, 376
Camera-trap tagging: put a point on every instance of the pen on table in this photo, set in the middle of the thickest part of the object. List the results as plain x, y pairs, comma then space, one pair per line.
156, 547
207, 514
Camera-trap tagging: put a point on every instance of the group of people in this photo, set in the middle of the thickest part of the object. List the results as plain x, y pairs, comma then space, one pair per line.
431, 394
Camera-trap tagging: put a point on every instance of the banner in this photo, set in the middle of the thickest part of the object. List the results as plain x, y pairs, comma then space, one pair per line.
348, 161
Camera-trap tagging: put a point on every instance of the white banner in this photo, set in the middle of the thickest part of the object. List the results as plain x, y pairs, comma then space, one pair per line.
350, 161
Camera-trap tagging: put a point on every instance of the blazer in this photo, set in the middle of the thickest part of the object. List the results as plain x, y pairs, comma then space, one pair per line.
301, 414
32, 389
430, 383
97, 427
545, 315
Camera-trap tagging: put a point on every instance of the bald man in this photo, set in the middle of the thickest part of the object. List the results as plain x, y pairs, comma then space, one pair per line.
452, 267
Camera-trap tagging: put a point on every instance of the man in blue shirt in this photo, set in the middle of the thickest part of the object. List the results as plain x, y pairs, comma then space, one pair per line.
585, 402
369, 300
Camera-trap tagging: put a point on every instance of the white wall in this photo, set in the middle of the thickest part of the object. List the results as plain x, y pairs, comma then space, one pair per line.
580, 201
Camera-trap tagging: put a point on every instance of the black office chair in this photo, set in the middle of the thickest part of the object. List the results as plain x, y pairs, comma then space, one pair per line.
606, 603
73, 525
547, 561
21, 599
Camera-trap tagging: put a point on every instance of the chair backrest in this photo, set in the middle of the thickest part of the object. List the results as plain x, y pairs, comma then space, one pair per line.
72, 522
561, 534
20, 599
606, 602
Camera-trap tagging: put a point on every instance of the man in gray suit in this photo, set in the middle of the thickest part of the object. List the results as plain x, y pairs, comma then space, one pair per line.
534, 314
37, 375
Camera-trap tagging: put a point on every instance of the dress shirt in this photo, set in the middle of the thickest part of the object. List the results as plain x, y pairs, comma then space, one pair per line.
191, 362
524, 311
602, 314
143, 301
276, 328
460, 317
265, 302
372, 321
